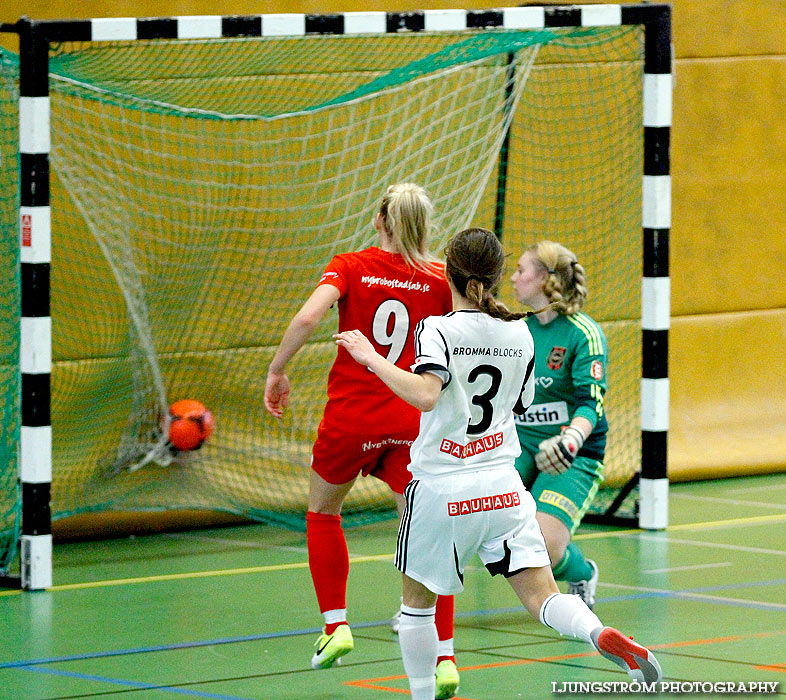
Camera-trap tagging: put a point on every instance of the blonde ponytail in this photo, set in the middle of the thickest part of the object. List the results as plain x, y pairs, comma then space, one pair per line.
407, 215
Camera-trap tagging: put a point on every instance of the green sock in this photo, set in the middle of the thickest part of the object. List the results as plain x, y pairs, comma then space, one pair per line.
573, 566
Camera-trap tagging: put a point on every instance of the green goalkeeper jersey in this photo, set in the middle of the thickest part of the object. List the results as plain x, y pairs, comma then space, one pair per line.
570, 380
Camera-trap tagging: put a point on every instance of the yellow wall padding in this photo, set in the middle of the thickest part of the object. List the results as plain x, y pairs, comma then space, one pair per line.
109, 525
728, 199
728, 380
728, 395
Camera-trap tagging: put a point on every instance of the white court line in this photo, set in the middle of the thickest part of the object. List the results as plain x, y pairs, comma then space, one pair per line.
716, 545
234, 543
702, 597
686, 568
733, 501
246, 544
753, 521
746, 489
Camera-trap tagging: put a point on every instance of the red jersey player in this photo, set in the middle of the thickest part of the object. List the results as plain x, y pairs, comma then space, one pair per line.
366, 429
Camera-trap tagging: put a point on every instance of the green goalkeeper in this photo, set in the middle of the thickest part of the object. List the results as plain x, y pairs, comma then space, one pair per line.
563, 433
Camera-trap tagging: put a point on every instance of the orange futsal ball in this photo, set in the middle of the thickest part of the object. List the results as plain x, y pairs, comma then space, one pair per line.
191, 424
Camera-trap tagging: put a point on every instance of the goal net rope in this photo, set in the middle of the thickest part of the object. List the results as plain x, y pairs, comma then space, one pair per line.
199, 188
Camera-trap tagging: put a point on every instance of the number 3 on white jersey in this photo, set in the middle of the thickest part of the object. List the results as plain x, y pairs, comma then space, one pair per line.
396, 337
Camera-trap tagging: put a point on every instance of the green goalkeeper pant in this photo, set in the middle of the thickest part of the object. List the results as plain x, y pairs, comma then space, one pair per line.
566, 496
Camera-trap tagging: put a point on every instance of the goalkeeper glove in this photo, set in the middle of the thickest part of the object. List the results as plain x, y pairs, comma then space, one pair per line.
558, 452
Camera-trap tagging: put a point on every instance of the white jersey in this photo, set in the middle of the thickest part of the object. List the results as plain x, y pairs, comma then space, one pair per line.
486, 369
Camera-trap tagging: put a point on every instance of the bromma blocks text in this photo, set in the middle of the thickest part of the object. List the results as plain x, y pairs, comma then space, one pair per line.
491, 352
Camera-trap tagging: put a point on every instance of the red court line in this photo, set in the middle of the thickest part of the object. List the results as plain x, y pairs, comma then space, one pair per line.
371, 686
372, 683
712, 640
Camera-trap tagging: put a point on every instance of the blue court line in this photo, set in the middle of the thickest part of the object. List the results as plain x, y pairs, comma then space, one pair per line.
678, 595
179, 645
730, 586
692, 593
694, 598
36, 665
135, 684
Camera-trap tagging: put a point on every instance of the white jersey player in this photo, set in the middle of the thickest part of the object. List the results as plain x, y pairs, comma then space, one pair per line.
473, 367
485, 365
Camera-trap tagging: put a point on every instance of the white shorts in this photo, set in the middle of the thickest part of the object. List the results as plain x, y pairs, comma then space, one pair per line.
448, 519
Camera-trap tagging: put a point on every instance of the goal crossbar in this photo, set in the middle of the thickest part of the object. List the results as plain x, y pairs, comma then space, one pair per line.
35, 343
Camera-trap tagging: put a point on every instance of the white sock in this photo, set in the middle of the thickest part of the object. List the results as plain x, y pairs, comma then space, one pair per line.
568, 614
417, 636
445, 648
337, 615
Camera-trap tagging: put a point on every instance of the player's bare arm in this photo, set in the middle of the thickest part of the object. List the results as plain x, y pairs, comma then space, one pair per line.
419, 390
298, 332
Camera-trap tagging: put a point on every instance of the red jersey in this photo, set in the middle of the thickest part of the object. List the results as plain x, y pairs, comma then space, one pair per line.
384, 298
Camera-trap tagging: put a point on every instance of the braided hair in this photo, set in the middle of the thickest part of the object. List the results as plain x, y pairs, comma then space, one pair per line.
565, 287
474, 262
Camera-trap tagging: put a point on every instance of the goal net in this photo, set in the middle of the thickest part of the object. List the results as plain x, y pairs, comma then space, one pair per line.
10, 502
199, 187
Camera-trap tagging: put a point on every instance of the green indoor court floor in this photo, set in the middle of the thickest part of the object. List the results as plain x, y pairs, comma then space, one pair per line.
230, 614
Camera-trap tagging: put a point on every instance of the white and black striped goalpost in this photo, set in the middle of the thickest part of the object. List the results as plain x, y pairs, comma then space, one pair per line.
656, 284
35, 451
35, 346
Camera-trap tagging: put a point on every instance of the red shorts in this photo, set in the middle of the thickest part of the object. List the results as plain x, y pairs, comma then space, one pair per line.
339, 456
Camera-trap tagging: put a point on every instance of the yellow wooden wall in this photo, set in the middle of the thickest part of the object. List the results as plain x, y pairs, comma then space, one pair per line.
728, 242
728, 248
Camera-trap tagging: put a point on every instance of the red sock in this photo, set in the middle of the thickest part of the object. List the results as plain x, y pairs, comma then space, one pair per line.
331, 627
444, 620
328, 560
